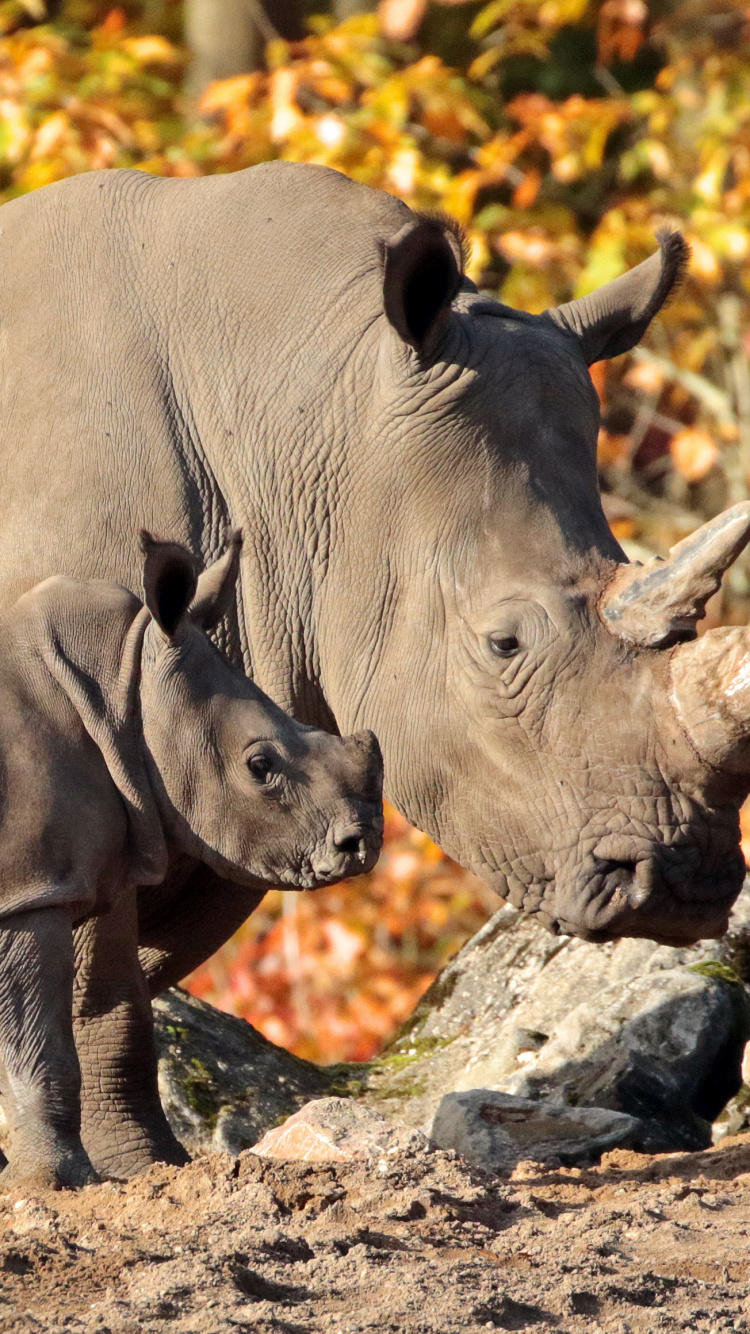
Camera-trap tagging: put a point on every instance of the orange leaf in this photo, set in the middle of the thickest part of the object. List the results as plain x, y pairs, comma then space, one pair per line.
694, 453
645, 376
598, 373
612, 450
114, 22
400, 19
524, 195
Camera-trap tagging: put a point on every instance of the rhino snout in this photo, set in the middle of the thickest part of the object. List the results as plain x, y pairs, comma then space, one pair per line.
352, 847
656, 892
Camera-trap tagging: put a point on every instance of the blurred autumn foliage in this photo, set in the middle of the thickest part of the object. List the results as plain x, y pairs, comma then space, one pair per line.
561, 134
331, 974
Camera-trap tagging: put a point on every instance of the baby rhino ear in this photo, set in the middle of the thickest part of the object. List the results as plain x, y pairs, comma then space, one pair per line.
215, 590
169, 582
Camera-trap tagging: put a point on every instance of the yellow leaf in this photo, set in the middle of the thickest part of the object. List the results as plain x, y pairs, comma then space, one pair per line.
402, 173
14, 130
703, 261
567, 168
153, 50
710, 182
605, 260
286, 116
479, 256
489, 17
484, 63
50, 135
732, 242
225, 93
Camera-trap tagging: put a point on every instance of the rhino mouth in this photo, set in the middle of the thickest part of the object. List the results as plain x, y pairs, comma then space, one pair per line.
663, 896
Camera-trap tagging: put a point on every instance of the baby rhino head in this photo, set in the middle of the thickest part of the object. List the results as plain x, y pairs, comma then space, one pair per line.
240, 784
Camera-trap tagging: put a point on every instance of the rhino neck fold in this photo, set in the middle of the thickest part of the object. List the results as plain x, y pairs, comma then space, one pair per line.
290, 479
90, 637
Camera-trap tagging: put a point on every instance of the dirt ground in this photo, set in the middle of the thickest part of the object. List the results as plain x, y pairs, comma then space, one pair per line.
412, 1242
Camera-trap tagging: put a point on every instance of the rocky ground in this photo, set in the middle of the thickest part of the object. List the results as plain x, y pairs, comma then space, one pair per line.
631, 1029
411, 1241
530, 1056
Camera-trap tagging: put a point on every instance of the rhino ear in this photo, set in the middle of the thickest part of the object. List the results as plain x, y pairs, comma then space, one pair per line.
169, 582
215, 588
422, 271
615, 318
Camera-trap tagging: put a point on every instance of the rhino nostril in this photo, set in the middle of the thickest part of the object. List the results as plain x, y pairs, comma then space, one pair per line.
631, 880
622, 875
352, 846
626, 866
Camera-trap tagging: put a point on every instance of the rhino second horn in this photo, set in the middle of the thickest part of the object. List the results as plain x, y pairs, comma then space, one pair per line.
711, 695
658, 603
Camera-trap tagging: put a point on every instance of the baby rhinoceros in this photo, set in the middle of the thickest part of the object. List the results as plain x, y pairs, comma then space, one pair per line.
130, 750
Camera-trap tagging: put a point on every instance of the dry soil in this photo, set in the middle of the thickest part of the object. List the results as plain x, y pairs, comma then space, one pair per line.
414, 1241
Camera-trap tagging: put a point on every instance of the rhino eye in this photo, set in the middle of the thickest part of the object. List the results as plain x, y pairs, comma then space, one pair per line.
504, 646
261, 767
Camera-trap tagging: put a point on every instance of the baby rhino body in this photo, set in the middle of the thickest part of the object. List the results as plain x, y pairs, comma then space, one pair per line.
131, 754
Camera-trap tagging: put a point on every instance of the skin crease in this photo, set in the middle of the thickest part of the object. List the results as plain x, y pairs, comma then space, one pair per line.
245, 348
138, 744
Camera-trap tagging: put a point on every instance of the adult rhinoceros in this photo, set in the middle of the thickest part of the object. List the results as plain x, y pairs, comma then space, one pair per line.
426, 553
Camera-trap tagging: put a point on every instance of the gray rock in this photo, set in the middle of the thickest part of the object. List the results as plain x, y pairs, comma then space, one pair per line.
632, 1027
651, 1031
222, 1084
496, 1131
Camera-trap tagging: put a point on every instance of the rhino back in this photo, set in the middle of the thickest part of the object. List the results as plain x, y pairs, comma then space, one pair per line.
156, 333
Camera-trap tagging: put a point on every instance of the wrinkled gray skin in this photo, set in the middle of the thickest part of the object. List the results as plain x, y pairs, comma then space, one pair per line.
131, 753
415, 469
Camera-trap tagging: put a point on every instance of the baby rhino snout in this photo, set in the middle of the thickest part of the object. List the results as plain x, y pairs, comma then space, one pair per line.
350, 841
355, 834
351, 849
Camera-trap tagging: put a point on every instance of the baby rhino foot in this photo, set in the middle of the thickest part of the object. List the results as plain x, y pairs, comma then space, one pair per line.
69, 1171
119, 1158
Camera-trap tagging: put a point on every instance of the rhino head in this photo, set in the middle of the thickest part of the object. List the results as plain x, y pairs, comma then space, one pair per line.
545, 710
238, 783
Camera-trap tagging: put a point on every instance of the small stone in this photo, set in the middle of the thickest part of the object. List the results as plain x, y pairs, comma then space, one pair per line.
335, 1130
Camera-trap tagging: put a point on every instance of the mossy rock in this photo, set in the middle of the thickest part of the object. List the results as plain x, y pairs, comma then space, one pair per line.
222, 1084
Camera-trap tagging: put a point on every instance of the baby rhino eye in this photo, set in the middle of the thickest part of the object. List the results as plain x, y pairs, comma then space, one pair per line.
504, 646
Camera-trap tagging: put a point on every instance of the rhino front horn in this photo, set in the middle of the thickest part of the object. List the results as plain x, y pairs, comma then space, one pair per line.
658, 603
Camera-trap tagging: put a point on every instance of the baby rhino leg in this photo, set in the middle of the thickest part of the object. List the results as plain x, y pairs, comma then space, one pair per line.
123, 1125
39, 1070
